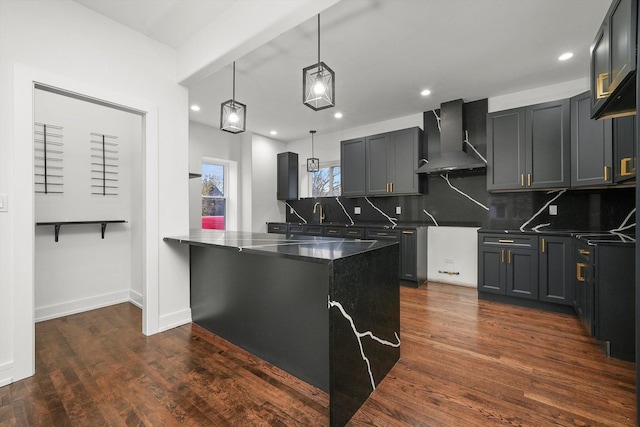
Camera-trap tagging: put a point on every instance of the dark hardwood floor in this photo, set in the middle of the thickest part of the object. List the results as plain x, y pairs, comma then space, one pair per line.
464, 362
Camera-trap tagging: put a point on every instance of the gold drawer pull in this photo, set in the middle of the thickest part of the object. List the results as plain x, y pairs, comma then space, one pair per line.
606, 173
502, 256
625, 170
600, 92
333, 231
506, 241
579, 267
584, 252
353, 232
407, 232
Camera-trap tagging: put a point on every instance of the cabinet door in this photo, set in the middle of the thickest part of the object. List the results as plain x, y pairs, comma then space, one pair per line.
522, 273
287, 180
624, 148
591, 145
548, 145
556, 270
352, 167
600, 69
379, 162
405, 144
505, 150
584, 289
622, 42
492, 269
408, 255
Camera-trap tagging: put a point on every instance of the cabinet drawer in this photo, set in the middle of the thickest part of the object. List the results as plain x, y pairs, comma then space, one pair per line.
277, 228
312, 230
296, 229
381, 233
354, 233
530, 242
331, 231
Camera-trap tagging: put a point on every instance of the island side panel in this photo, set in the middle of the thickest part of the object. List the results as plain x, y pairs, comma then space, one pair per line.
275, 308
366, 288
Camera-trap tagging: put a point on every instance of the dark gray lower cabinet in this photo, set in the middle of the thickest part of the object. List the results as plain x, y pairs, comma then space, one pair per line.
605, 295
508, 265
556, 269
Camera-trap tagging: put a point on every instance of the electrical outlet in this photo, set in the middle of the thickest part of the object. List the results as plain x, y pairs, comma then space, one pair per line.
553, 209
356, 210
398, 210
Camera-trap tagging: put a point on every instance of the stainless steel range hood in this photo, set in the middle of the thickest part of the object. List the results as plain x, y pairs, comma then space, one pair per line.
452, 156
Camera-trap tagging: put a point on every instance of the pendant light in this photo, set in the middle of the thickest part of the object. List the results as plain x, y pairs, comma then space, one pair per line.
233, 114
313, 163
318, 83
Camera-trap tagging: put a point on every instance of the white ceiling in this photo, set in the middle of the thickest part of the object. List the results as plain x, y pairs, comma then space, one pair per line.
384, 52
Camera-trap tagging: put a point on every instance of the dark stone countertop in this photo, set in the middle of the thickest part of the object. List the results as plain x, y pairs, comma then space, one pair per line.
307, 248
592, 237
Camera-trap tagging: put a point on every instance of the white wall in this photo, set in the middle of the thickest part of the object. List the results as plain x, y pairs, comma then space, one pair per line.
264, 205
82, 271
67, 41
454, 250
212, 143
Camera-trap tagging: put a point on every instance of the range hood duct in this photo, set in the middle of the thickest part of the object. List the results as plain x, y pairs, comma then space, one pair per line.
452, 156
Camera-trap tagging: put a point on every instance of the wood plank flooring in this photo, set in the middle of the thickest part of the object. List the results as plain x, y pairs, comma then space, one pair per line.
463, 362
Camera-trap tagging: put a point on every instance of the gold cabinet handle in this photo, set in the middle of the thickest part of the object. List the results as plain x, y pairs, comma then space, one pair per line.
352, 232
606, 173
625, 170
333, 231
579, 267
528, 180
509, 258
506, 241
542, 246
407, 232
502, 256
521, 180
600, 92
584, 252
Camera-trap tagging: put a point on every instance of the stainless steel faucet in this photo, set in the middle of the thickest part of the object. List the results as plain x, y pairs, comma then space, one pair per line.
321, 213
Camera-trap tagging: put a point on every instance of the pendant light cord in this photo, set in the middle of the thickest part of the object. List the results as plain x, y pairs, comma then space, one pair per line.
318, 41
233, 98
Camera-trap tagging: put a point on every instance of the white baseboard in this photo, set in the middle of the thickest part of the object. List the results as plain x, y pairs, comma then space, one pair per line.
136, 299
80, 305
173, 320
6, 374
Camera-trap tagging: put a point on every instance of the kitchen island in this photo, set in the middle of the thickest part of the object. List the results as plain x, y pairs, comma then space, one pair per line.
323, 309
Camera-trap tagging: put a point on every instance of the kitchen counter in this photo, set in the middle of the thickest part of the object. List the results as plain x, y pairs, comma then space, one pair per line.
326, 310
591, 237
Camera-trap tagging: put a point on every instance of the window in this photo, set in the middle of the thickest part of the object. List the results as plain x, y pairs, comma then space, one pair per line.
326, 181
214, 202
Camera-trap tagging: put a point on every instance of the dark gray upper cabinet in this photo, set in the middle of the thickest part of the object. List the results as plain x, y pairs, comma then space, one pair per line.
505, 149
287, 180
352, 167
548, 145
392, 159
529, 147
383, 164
624, 148
591, 145
379, 160
613, 62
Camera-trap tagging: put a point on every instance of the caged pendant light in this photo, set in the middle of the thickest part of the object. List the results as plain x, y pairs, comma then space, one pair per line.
313, 163
233, 114
318, 83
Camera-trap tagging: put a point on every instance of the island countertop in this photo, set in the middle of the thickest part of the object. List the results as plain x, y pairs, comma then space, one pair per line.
307, 248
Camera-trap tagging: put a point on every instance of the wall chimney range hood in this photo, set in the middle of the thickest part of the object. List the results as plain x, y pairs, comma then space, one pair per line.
452, 156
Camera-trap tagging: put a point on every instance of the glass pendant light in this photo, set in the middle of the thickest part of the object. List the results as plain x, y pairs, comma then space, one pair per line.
318, 83
313, 163
233, 114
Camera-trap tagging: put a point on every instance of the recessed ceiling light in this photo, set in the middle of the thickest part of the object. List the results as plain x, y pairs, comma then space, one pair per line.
195, 108
565, 56
273, 132
425, 92
338, 115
